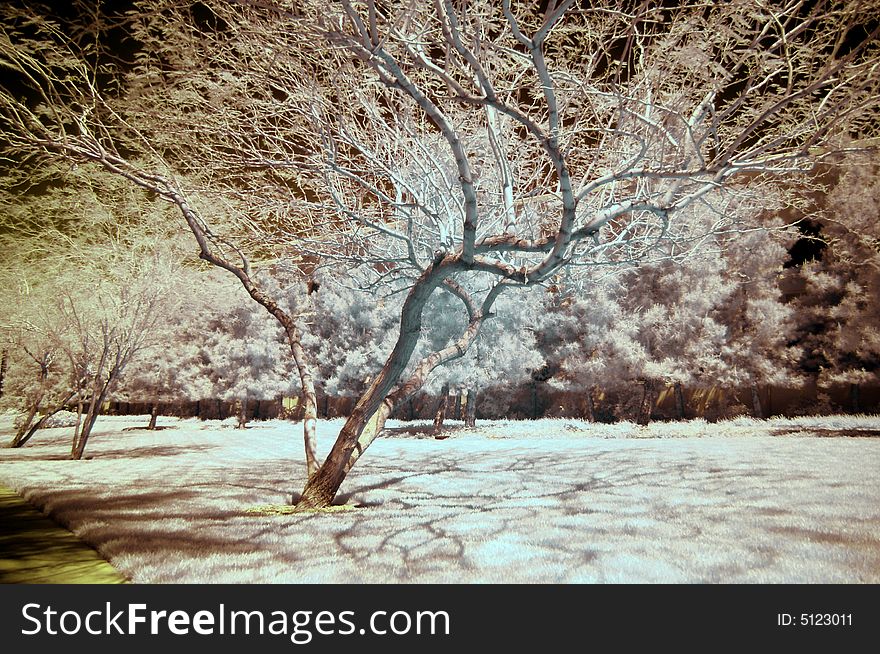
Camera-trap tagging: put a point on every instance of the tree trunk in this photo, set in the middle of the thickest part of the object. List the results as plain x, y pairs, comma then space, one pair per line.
154, 413
20, 440
647, 403
76, 428
33, 430
470, 416
440, 414
591, 404
99, 394
242, 413
4, 363
322, 487
25, 427
411, 409
757, 409
855, 403
678, 392
88, 425
534, 389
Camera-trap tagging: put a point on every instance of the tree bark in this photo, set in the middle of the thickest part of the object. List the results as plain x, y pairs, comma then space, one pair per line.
154, 413
534, 388
855, 403
415, 383
591, 404
4, 363
87, 426
33, 430
321, 488
757, 409
20, 441
678, 392
440, 413
76, 427
100, 388
647, 403
242, 413
470, 416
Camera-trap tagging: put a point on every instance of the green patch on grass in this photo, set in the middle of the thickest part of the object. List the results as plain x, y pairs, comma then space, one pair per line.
35, 550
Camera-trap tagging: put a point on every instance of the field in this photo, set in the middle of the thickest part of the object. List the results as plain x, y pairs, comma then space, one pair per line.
545, 501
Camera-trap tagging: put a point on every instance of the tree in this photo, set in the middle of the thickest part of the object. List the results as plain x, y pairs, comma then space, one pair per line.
240, 352
504, 141
837, 309
759, 324
171, 366
81, 334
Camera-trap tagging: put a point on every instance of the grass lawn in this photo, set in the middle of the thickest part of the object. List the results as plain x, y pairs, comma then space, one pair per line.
536, 501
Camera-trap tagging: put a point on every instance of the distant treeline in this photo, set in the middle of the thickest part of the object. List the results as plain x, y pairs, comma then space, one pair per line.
539, 400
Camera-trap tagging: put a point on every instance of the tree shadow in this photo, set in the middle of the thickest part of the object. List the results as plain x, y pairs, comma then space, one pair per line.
449, 514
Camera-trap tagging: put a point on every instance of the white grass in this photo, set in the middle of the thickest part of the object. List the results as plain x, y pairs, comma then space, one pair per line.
534, 501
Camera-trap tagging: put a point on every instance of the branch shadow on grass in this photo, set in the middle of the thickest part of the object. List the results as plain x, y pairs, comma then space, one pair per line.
447, 515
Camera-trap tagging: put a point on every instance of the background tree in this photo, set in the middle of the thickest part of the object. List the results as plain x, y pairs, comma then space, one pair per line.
504, 353
240, 352
75, 278
837, 308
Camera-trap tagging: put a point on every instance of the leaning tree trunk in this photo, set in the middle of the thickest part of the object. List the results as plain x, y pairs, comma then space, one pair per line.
88, 424
413, 385
99, 394
27, 427
20, 442
4, 362
322, 487
76, 428
28, 423
154, 413
440, 414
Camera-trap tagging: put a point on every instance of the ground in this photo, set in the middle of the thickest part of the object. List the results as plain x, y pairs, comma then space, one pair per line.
794, 501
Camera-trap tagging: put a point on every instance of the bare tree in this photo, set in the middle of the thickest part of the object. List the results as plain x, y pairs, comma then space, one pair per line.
437, 141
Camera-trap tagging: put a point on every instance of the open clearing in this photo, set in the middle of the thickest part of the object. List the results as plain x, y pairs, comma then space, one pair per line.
544, 501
